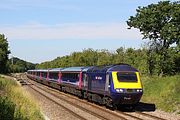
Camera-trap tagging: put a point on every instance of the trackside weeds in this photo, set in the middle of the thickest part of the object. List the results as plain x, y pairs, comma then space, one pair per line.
16, 104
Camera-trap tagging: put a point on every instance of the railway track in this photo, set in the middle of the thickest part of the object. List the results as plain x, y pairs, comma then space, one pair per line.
67, 109
149, 115
116, 114
49, 91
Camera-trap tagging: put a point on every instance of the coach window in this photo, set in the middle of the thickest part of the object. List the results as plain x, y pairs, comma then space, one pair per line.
38, 73
44, 74
53, 75
71, 77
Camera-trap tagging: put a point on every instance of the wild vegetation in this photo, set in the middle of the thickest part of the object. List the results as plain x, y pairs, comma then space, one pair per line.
163, 92
16, 104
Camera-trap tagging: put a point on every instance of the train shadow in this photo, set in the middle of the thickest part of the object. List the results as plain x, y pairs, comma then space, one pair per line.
140, 107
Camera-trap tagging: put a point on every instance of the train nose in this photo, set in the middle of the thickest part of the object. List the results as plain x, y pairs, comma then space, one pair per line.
126, 98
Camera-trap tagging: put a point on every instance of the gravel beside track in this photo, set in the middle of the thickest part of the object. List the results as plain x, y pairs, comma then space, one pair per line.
50, 110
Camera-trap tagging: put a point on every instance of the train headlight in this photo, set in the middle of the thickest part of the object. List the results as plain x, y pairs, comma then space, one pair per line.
139, 90
119, 90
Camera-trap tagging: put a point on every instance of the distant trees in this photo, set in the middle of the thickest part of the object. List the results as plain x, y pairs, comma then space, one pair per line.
135, 57
19, 65
4, 52
160, 23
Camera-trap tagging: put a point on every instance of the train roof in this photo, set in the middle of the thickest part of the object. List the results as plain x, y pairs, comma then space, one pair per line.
74, 69
55, 69
124, 67
116, 67
43, 70
38, 70
86, 69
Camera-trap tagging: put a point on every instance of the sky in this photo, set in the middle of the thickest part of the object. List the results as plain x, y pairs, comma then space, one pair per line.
41, 30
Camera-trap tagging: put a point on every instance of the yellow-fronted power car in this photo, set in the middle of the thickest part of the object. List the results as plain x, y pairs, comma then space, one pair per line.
126, 86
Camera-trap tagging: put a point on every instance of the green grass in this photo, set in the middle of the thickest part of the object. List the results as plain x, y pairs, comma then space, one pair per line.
163, 92
16, 104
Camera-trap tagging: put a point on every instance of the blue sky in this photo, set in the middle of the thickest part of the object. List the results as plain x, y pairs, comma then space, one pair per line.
41, 30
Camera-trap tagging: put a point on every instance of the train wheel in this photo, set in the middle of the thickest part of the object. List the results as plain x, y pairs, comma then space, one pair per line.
110, 104
89, 97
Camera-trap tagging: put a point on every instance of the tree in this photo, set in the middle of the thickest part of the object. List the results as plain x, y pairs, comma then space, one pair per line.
160, 23
3, 54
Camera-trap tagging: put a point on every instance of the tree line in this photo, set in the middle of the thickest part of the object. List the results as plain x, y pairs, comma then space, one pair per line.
135, 57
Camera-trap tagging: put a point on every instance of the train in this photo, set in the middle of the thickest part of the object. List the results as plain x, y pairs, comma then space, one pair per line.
109, 85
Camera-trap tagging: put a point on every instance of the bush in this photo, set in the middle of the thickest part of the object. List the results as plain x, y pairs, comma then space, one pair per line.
16, 103
164, 92
7, 108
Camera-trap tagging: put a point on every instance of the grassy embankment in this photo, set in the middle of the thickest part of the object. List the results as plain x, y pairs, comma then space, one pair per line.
163, 92
15, 103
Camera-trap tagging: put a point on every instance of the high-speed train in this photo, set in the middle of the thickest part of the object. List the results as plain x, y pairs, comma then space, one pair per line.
111, 85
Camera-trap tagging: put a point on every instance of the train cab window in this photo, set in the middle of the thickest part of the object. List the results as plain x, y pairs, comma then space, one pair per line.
54, 75
127, 77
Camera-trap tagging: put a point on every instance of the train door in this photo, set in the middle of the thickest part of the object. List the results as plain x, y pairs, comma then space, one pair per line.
107, 85
84, 80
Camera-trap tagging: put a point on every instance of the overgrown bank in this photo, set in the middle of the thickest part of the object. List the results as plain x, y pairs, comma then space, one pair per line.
15, 103
163, 92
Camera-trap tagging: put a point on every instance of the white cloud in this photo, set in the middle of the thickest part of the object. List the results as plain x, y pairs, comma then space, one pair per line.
70, 31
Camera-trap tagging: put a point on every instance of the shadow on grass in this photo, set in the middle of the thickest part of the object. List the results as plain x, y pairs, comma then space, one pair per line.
140, 107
